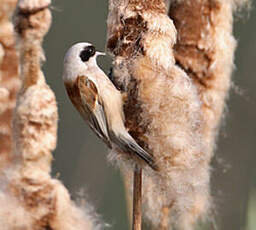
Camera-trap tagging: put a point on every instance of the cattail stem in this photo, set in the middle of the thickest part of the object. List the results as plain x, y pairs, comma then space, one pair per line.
137, 197
165, 218
127, 186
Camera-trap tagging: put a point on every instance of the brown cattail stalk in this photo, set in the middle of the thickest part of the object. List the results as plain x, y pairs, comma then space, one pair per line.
175, 96
29, 197
137, 199
9, 81
128, 197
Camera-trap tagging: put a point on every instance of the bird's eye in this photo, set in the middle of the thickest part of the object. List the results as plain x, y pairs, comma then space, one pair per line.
87, 52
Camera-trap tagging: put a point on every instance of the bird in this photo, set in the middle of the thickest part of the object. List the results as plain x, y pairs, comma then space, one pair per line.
98, 101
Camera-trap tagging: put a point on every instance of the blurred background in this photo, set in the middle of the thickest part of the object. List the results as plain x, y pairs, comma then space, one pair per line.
80, 158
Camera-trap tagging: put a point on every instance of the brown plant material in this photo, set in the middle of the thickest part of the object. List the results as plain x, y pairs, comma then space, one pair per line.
129, 199
9, 81
162, 110
175, 96
137, 199
205, 49
29, 197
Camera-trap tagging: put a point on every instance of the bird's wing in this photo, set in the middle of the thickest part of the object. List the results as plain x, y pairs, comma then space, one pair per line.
92, 104
97, 120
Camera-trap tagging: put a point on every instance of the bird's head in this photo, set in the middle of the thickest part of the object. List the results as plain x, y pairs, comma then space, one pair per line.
80, 60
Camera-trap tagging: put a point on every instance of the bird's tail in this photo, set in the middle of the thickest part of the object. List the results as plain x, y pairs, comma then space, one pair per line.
127, 144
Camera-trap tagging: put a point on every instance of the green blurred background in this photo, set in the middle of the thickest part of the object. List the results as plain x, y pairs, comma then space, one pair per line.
80, 158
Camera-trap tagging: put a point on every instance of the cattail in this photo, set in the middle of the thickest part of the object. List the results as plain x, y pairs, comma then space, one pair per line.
9, 81
175, 96
168, 119
29, 197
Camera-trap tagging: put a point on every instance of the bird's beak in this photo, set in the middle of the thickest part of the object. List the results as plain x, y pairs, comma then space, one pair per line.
100, 53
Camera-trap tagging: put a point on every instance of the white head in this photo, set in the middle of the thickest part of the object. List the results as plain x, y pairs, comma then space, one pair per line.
79, 60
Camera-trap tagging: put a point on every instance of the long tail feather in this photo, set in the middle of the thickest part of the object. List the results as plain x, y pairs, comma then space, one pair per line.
128, 144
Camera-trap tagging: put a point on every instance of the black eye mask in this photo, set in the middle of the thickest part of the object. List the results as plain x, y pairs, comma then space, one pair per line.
87, 52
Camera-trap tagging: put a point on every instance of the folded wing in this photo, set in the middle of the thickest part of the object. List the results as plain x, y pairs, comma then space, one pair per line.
94, 107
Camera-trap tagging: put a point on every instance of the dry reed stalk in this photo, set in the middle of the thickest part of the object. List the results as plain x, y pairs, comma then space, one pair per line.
9, 81
137, 198
29, 197
175, 96
128, 197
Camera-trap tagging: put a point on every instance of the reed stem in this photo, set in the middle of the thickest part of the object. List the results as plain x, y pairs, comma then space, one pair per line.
137, 198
